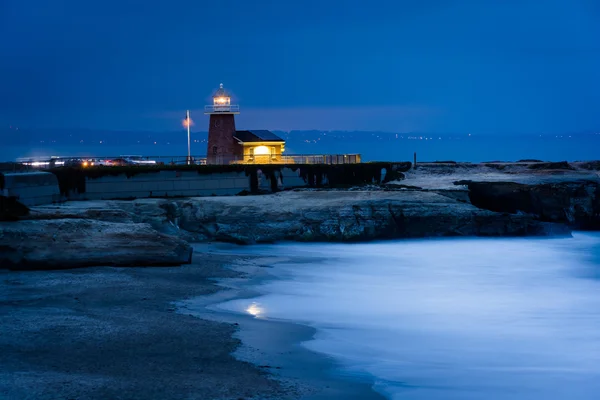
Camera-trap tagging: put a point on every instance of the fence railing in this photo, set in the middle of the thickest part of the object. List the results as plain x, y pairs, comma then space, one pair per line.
321, 159
230, 108
28, 164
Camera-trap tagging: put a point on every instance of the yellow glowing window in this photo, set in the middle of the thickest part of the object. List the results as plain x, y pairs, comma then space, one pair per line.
261, 150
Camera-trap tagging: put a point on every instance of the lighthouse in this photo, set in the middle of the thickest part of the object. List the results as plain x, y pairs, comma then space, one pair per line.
222, 148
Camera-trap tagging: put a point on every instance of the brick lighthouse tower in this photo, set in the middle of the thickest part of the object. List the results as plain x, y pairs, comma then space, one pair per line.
222, 147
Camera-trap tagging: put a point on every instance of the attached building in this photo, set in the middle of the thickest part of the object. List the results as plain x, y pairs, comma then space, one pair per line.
260, 146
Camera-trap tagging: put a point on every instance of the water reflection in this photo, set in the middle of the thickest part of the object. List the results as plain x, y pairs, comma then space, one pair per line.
256, 310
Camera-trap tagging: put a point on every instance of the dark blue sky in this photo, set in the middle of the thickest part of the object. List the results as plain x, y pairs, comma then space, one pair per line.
480, 66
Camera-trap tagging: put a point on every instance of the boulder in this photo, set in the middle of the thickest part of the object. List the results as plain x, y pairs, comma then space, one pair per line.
576, 203
11, 209
72, 243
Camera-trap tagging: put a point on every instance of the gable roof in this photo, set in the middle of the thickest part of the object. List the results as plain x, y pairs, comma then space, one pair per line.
257, 136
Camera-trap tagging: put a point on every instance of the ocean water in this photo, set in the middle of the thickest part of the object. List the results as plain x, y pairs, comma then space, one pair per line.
447, 319
372, 148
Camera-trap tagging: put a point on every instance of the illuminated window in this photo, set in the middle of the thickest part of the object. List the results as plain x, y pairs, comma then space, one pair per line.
261, 150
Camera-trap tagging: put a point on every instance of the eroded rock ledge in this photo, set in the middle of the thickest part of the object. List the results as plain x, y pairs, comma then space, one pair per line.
72, 243
309, 216
344, 216
157, 231
575, 203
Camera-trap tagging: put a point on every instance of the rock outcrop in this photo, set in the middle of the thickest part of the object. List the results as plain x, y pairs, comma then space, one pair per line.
315, 216
72, 243
349, 216
575, 203
433, 201
11, 209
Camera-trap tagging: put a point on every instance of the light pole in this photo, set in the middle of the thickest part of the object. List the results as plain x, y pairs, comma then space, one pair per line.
188, 123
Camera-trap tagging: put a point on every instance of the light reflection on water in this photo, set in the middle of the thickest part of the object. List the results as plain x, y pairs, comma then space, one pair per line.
255, 310
449, 319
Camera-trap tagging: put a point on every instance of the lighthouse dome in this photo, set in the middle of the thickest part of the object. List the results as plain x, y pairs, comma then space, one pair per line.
221, 92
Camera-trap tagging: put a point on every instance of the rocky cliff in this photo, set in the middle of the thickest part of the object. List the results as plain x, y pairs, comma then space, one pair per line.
575, 203
310, 216
345, 216
71, 243
561, 192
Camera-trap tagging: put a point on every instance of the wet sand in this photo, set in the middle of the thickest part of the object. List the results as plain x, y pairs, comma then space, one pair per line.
100, 333
276, 345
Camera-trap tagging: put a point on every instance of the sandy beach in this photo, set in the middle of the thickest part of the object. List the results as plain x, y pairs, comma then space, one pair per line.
125, 333
275, 345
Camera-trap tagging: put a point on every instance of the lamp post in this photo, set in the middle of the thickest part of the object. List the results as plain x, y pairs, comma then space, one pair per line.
188, 123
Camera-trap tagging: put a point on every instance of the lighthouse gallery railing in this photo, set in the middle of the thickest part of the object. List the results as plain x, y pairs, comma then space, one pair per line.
231, 108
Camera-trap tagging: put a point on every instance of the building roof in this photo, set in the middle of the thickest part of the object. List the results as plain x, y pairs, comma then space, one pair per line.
257, 136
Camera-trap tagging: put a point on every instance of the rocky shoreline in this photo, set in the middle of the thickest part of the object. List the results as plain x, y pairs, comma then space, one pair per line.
430, 202
108, 332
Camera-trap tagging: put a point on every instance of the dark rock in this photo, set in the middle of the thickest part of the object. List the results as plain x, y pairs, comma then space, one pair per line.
73, 243
349, 216
576, 203
11, 209
97, 214
590, 165
551, 166
402, 186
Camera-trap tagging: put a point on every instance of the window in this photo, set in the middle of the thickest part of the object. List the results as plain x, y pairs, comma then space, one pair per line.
214, 150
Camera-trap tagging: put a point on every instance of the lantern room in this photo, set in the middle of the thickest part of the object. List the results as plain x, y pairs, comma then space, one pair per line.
221, 98
221, 103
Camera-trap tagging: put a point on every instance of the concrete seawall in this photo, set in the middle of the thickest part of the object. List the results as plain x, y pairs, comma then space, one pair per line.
39, 188
180, 184
162, 184
31, 188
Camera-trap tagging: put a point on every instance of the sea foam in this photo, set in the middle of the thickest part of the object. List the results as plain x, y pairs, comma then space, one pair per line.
447, 319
